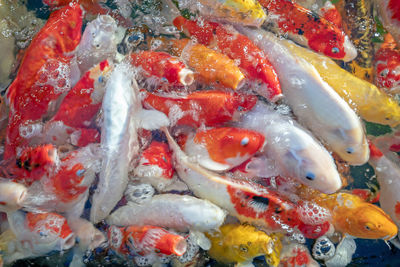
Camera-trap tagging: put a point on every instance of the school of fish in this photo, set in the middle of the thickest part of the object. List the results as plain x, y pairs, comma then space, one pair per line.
196, 132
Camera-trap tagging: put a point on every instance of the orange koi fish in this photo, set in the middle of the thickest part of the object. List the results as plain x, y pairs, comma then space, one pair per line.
309, 29
387, 66
211, 66
221, 149
210, 108
296, 255
39, 233
327, 10
144, 240
155, 165
236, 46
163, 66
43, 75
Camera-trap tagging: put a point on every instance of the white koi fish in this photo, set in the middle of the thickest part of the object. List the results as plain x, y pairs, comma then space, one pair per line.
313, 101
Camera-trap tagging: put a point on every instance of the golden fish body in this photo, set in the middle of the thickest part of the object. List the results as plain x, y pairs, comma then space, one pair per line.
240, 243
365, 98
356, 217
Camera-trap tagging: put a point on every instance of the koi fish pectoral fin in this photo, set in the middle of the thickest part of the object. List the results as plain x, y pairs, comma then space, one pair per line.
152, 119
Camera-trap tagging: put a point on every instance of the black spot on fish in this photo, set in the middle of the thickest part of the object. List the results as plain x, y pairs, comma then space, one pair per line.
19, 163
262, 200
300, 31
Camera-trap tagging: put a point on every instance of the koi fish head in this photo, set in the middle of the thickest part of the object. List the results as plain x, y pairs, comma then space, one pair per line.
387, 67
230, 146
371, 222
157, 159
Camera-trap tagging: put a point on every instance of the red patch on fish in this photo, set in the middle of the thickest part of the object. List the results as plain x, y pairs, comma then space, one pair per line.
397, 210
394, 6
53, 222
374, 151
67, 182
159, 154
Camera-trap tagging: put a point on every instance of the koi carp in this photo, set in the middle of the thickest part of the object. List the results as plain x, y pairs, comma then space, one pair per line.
308, 95
326, 10
296, 255
363, 97
308, 29
210, 66
163, 66
238, 47
210, 108
221, 149
12, 195
123, 116
178, 212
294, 151
43, 73
389, 10
37, 234
387, 67
145, 240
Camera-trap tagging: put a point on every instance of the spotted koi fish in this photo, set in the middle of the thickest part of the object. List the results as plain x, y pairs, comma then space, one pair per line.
252, 60
210, 108
220, 149
145, 240
163, 66
309, 29
42, 76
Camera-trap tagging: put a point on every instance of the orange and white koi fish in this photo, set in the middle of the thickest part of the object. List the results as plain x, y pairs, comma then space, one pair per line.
42, 76
155, 165
179, 212
296, 255
308, 95
309, 29
146, 239
325, 9
389, 10
77, 110
238, 47
67, 189
388, 175
293, 150
163, 66
123, 116
387, 66
12, 195
221, 149
98, 43
210, 66
38, 234
211, 108
249, 202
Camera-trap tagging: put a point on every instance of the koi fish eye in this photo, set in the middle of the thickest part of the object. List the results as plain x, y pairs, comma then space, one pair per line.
243, 248
335, 50
310, 176
244, 141
367, 228
101, 79
350, 150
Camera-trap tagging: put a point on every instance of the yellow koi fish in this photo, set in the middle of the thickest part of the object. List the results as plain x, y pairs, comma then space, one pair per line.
240, 243
365, 98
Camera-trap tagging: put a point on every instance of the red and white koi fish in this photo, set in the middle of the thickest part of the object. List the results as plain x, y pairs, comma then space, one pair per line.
388, 175
296, 255
295, 152
98, 43
146, 239
77, 110
43, 74
155, 165
67, 189
221, 149
163, 66
388, 144
211, 108
12, 195
387, 66
308, 95
309, 29
389, 10
179, 212
38, 234
252, 60
249, 202
123, 116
